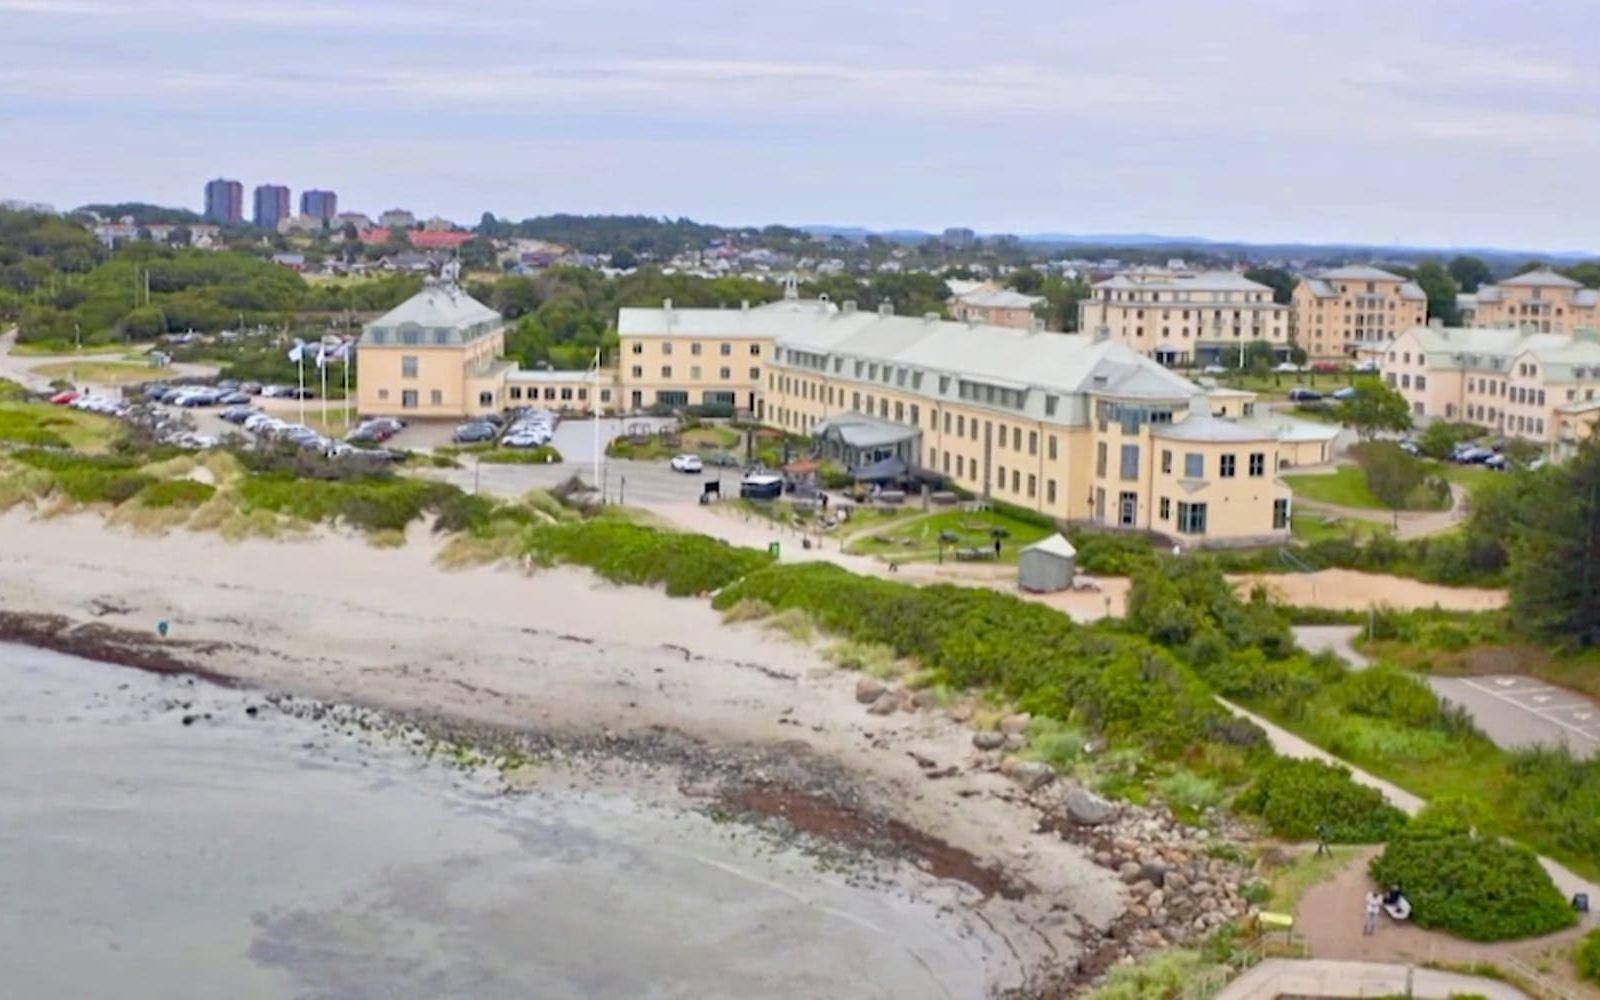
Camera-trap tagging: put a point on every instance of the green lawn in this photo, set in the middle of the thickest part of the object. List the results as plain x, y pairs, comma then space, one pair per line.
99, 371
917, 540
43, 424
1346, 486
45, 348
1278, 384
703, 440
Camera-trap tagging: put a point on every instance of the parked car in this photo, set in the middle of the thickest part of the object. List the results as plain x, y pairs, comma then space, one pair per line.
1366, 366
1286, 366
1346, 393
523, 439
250, 388
687, 463
1300, 394
234, 398
1410, 447
63, 398
1498, 462
1214, 370
1325, 366
1474, 456
238, 414
761, 486
475, 432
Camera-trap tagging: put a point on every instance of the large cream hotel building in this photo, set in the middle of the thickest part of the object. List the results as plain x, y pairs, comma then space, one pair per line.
1182, 318
1338, 312
1080, 427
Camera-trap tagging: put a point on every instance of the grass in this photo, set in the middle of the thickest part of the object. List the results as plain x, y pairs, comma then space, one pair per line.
703, 440
917, 539
1287, 884
1346, 486
1277, 385
46, 425
98, 371
52, 348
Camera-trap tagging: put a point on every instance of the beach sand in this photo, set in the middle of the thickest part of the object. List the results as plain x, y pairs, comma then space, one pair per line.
561, 653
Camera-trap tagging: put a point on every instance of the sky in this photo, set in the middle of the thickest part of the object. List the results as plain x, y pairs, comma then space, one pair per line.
1468, 122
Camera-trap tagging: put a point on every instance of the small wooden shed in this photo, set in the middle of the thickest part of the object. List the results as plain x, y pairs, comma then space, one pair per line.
1047, 565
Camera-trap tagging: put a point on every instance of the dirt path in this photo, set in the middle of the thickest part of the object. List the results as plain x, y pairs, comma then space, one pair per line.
1352, 590
23, 368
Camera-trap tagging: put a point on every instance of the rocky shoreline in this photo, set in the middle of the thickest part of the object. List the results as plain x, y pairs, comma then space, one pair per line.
1178, 888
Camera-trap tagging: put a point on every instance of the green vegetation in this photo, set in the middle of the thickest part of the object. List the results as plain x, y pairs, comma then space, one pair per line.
1382, 478
1166, 975
175, 493
1473, 885
1587, 957
1374, 406
1295, 797
918, 539
701, 439
1287, 883
100, 372
41, 425
545, 454
1346, 486
369, 503
1440, 438
630, 553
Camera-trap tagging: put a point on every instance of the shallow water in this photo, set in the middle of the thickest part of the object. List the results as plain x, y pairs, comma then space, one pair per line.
266, 857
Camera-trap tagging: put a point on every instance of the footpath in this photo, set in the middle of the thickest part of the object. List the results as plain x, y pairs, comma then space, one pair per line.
1280, 977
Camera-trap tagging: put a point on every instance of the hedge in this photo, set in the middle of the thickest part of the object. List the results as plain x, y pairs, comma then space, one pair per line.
1478, 887
626, 552
1587, 957
1294, 797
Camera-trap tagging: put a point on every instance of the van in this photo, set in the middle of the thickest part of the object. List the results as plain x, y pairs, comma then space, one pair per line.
761, 486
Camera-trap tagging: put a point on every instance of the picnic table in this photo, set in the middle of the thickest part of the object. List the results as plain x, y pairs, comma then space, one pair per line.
970, 553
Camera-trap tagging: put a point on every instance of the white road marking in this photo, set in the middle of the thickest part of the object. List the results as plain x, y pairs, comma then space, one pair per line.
1541, 713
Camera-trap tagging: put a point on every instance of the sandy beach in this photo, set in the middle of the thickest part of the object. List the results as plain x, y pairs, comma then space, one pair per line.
563, 654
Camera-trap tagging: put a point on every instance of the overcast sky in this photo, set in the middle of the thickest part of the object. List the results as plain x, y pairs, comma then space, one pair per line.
1447, 123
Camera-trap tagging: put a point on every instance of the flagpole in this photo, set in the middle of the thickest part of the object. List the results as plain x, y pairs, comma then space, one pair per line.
300, 364
322, 369
346, 360
594, 414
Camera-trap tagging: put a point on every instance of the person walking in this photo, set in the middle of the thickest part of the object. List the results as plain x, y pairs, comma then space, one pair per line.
1369, 926
1322, 841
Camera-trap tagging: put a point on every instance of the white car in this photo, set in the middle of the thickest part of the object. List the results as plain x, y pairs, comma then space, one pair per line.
1214, 370
686, 463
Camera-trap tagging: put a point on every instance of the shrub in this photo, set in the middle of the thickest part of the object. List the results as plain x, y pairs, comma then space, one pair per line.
1294, 797
370, 503
1107, 554
1478, 887
543, 455
625, 552
1164, 975
176, 493
1587, 957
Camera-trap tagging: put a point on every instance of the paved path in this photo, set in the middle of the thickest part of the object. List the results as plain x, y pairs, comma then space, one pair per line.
1277, 977
1336, 639
1406, 523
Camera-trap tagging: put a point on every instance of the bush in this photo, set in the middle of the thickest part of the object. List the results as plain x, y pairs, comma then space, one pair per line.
1478, 887
176, 493
625, 552
370, 503
1587, 957
1035, 655
1294, 797
1107, 554
543, 455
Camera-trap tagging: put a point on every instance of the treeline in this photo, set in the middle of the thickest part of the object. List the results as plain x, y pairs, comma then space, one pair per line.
638, 234
144, 290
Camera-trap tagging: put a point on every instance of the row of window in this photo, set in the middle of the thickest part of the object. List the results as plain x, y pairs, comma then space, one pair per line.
724, 373
565, 393
726, 350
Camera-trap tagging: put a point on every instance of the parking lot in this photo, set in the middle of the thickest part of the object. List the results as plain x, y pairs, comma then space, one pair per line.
1516, 711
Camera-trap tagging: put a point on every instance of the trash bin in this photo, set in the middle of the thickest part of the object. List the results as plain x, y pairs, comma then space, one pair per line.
772, 549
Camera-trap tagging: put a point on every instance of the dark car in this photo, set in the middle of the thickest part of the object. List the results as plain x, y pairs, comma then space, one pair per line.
1303, 395
474, 433
234, 398
250, 388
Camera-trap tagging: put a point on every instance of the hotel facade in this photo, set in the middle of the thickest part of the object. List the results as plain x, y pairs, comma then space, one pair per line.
1181, 318
1336, 313
1078, 427
1540, 387
1540, 301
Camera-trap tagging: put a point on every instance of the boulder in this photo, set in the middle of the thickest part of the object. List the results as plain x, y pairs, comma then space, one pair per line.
1129, 872
1017, 723
1033, 774
988, 739
886, 704
1088, 809
869, 689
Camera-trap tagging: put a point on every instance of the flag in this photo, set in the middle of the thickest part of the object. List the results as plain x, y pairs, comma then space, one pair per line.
322, 354
298, 351
342, 352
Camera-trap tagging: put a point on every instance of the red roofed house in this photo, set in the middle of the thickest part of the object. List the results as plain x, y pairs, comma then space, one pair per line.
424, 239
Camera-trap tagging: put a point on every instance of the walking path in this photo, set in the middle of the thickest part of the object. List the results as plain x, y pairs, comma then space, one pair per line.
21, 368
1276, 977
1406, 523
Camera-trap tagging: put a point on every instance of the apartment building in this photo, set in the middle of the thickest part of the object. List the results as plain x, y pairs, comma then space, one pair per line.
1540, 301
1538, 386
988, 303
271, 205
670, 358
224, 201
437, 354
1079, 428
1336, 313
1185, 318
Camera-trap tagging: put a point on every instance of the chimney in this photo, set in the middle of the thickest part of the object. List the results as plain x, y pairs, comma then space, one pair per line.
885, 308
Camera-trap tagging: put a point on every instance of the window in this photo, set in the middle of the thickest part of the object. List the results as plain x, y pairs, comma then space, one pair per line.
408, 399
755, 374
666, 371
638, 371
725, 373
1422, 381
1100, 459
1033, 442
725, 349
1000, 471
1226, 468
1258, 463
1050, 406
1166, 509
1166, 461
694, 348
755, 350
666, 347
383, 393
638, 347
1016, 439
1280, 514
1052, 448
1050, 491
1191, 518
408, 366
1194, 465
1033, 485
694, 373
485, 398
1130, 461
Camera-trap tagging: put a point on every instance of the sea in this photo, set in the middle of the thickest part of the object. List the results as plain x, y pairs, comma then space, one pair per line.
264, 855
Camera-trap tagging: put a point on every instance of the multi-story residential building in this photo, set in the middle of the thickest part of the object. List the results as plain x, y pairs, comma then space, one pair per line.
322, 205
670, 358
437, 354
987, 302
1181, 318
1535, 386
224, 201
1337, 312
397, 218
1539, 301
958, 238
271, 205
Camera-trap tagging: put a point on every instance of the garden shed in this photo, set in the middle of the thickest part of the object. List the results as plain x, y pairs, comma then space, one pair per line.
1047, 565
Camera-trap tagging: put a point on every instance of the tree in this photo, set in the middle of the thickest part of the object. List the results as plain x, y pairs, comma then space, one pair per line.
1026, 280
1555, 549
1470, 272
1276, 278
1441, 290
624, 259
1586, 273
1392, 475
1373, 407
